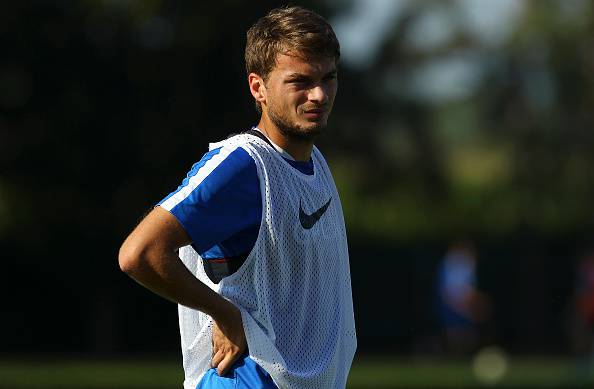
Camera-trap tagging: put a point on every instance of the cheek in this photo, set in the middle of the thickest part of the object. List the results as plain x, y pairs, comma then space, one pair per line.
332, 92
298, 98
291, 100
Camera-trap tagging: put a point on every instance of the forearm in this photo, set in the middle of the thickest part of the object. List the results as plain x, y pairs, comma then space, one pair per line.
163, 273
166, 275
149, 255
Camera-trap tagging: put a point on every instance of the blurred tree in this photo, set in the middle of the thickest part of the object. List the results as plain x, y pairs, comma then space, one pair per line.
502, 145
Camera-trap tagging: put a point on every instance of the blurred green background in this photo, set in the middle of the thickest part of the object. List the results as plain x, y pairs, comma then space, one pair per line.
456, 120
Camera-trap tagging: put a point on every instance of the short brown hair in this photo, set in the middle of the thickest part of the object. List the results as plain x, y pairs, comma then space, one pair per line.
286, 29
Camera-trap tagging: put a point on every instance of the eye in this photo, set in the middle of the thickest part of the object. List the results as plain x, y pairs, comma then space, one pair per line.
298, 81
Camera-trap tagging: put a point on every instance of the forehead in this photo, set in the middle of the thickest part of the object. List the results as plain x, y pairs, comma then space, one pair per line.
289, 63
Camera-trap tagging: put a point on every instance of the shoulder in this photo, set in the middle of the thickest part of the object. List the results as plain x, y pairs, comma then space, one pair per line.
219, 197
222, 167
252, 144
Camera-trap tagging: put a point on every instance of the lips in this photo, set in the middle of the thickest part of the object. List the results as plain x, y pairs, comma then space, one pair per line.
314, 113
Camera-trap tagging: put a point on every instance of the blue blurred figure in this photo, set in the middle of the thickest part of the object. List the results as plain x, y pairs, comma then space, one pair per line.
460, 305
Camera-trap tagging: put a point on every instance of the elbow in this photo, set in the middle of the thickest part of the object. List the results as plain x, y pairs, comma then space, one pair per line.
130, 258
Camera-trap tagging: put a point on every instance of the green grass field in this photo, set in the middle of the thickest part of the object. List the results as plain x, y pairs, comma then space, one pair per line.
366, 373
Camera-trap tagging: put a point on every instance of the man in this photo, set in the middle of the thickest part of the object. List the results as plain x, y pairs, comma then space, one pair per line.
262, 276
461, 306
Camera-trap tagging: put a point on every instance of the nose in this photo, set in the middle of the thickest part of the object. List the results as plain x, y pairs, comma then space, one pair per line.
318, 94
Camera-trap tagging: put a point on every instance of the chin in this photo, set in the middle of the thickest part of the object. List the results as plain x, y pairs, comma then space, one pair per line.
313, 127
299, 128
312, 133
307, 132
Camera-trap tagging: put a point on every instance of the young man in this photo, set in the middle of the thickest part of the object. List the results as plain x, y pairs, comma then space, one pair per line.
252, 245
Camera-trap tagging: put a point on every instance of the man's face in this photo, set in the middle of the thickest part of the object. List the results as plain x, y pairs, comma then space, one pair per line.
300, 93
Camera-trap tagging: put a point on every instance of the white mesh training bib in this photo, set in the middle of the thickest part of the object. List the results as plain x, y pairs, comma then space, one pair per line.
294, 288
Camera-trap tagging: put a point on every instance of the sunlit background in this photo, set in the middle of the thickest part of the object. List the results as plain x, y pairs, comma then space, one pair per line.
462, 144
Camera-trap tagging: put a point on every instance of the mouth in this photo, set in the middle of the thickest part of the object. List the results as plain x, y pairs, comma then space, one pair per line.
317, 113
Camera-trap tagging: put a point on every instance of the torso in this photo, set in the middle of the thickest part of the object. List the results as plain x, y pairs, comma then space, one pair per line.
294, 288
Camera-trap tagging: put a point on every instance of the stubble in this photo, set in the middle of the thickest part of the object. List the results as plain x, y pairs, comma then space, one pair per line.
293, 130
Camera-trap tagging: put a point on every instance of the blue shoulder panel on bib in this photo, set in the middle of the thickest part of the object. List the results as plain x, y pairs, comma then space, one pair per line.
222, 213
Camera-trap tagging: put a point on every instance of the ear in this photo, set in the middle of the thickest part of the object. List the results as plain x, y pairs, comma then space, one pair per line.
257, 87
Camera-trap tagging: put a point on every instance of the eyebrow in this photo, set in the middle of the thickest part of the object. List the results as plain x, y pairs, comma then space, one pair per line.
296, 75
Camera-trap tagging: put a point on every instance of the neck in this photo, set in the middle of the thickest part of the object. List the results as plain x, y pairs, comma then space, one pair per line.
299, 149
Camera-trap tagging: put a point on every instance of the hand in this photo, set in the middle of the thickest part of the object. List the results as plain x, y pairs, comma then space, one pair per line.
228, 340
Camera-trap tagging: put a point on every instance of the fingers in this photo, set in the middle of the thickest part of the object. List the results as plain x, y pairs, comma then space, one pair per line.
228, 342
217, 358
224, 359
226, 363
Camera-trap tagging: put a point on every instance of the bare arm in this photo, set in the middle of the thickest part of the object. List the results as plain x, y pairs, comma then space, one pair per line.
149, 256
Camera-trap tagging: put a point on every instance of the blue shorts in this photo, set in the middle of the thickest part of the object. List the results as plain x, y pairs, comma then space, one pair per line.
245, 373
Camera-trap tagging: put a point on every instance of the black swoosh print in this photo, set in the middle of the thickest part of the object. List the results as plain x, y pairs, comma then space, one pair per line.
308, 221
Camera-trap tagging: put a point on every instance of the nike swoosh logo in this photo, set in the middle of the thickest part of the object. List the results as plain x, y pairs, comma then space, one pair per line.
308, 221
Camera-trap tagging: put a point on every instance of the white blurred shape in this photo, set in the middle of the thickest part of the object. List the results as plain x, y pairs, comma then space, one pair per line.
363, 30
491, 22
490, 365
449, 78
433, 28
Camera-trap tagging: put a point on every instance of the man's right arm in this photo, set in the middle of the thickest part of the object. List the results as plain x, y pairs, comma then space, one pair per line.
149, 256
